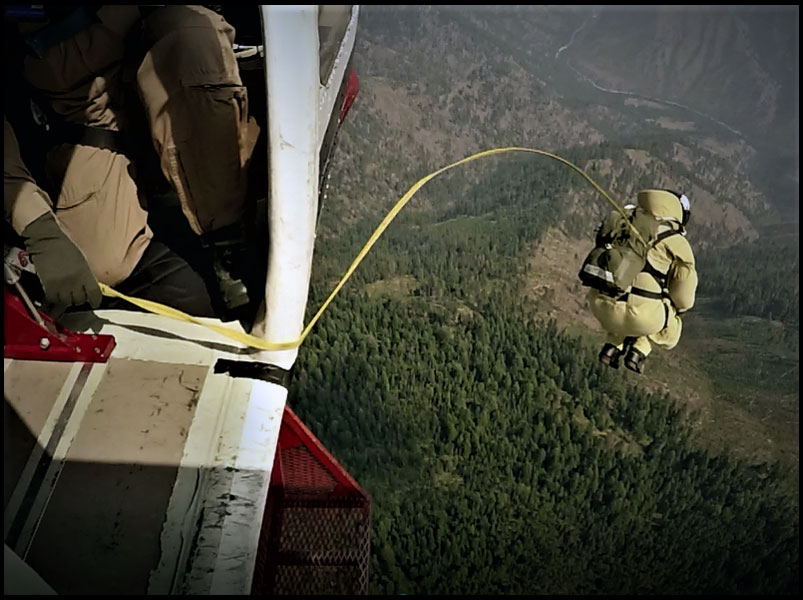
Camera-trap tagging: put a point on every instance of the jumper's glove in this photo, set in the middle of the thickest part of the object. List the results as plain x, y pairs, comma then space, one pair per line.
60, 265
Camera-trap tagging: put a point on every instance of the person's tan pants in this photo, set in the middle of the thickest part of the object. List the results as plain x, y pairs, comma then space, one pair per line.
197, 110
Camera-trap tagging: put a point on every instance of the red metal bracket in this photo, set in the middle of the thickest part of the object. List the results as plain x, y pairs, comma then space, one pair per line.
303, 466
25, 338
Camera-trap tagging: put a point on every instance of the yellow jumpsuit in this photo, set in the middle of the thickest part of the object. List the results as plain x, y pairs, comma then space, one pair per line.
646, 319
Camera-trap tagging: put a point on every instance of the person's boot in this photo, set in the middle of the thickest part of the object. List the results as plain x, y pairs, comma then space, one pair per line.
634, 360
609, 355
229, 255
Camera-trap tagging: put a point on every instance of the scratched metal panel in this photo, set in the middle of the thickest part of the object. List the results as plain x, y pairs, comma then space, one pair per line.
100, 531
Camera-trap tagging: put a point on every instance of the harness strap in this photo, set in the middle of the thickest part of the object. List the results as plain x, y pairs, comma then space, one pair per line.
666, 234
661, 278
647, 294
643, 294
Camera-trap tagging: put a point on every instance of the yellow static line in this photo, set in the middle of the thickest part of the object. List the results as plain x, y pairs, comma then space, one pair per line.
255, 342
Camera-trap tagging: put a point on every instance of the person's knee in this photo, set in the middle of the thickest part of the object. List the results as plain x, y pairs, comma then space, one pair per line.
669, 336
180, 18
192, 45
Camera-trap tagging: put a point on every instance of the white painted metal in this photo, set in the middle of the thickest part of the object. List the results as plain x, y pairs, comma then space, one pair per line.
211, 447
294, 117
292, 74
299, 109
239, 537
238, 469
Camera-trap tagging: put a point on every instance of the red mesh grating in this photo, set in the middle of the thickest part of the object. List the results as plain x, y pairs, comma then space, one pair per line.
304, 474
316, 532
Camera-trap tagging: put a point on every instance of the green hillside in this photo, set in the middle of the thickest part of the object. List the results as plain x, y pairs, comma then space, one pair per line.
501, 457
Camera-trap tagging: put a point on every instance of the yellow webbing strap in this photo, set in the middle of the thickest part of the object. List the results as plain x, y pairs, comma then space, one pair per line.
255, 342
166, 311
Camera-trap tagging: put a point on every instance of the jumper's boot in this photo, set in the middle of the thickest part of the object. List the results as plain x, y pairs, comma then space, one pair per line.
634, 360
229, 256
610, 356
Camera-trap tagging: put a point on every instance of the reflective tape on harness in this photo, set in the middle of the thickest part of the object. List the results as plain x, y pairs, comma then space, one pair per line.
599, 273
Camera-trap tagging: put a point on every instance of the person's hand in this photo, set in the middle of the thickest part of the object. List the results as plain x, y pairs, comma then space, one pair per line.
61, 267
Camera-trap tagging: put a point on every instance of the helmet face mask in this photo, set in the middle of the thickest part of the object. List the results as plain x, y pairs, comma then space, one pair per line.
684, 202
685, 205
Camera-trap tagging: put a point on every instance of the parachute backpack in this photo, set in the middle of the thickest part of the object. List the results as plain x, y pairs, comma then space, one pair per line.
620, 255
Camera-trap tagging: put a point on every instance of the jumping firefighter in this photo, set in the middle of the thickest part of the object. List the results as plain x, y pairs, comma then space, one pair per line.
642, 277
